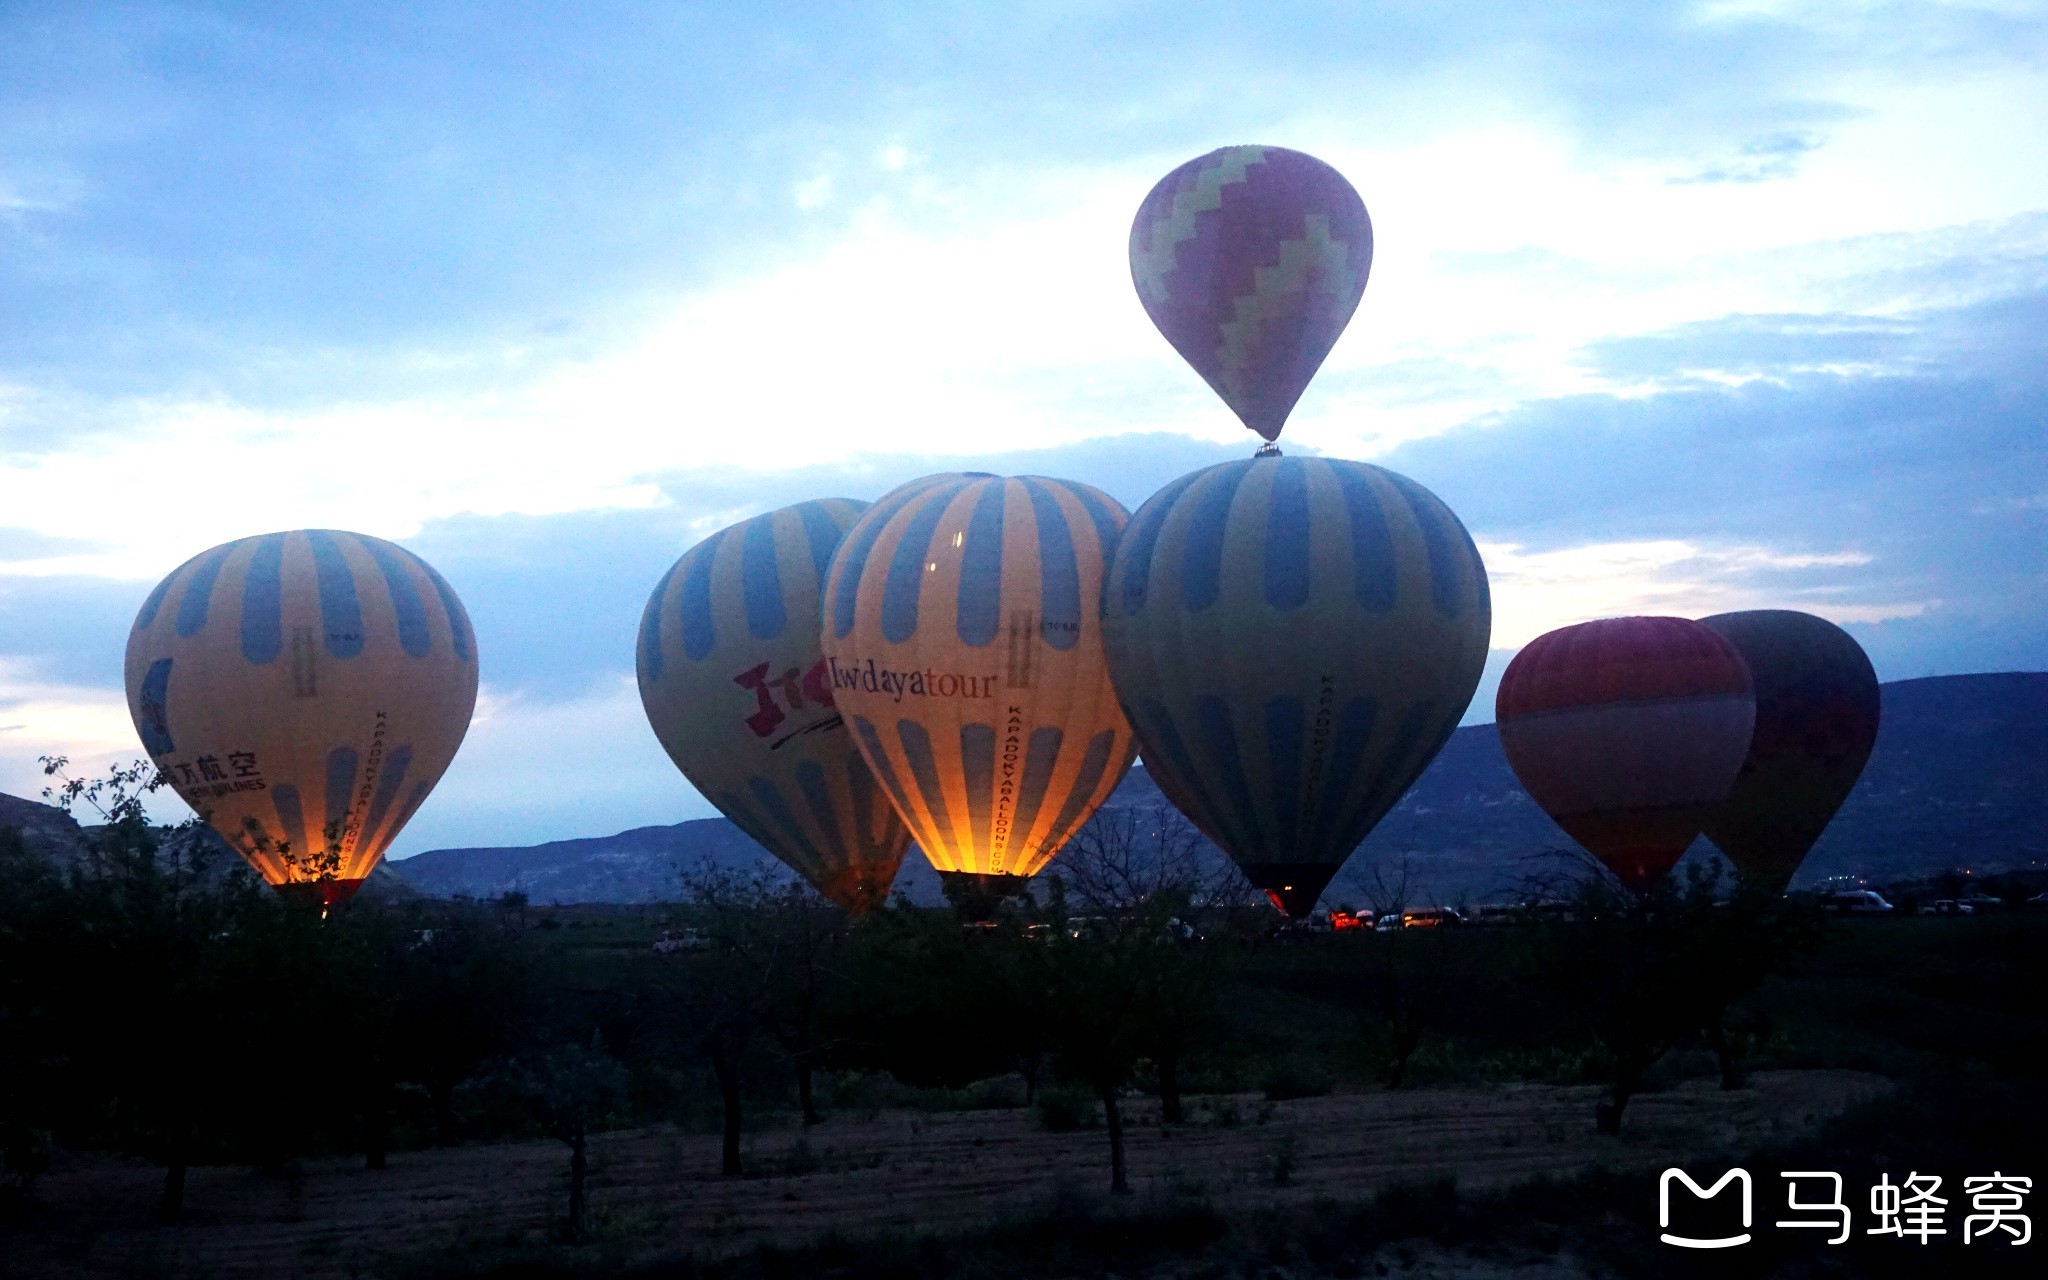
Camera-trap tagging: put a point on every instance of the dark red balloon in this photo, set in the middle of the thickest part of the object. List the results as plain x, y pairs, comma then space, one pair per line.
1816, 721
1629, 732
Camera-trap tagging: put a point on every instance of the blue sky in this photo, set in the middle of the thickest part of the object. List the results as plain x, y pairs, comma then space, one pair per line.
1682, 308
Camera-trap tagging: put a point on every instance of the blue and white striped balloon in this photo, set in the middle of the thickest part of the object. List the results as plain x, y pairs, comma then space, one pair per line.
1293, 639
736, 687
964, 637
303, 692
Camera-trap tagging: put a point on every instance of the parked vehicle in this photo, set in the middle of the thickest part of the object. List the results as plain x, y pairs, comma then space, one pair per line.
1981, 902
1946, 907
1856, 902
1350, 921
1431, 918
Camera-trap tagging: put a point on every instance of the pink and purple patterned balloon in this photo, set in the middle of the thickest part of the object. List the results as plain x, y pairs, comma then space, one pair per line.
1251, 260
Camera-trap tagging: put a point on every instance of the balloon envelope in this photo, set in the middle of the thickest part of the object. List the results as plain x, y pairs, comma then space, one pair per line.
1251, 260
1294, 639
964, 639
303, 692
1816, 721
1628, 731
736, 687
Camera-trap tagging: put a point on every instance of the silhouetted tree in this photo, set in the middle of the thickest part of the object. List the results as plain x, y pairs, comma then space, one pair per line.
459, 989
1661, 968
32, 1058
1132, 863
1410, 973
155, 944
569, 1089
717, 995
806, 935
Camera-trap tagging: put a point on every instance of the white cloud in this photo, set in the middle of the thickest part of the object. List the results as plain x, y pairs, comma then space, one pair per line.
41, 718
1539, 591
814, 193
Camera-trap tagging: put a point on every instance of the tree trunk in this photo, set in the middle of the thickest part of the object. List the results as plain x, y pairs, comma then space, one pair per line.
803, 1093
1607, 1116
1731, 1066
1405, 1041
1113, 1120
579, 1201
1169, 1088
728, 1071
1028, 1066
172, 1206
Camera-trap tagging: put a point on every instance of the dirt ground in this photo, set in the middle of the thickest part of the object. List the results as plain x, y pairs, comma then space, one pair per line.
659, 1190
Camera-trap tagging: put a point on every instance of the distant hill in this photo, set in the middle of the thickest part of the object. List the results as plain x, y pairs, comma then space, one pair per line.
1959, 778
56, 836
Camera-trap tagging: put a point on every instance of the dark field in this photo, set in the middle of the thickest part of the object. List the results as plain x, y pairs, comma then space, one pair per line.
1891, 1046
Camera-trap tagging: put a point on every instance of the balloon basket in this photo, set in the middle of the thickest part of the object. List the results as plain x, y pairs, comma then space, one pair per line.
977, 897
319, 893
1292, 888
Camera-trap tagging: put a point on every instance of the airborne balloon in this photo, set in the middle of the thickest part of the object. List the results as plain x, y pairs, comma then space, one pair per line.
964, 642
1251, 261
1629, 733
1294, 639
303, 692
737, 689
1816, 721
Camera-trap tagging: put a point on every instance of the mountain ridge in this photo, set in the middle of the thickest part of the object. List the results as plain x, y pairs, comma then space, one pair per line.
1959, 777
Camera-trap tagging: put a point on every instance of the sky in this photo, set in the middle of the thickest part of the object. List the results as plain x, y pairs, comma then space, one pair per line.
1683, 308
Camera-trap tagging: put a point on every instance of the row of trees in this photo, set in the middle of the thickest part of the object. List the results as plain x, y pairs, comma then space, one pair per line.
156, 1003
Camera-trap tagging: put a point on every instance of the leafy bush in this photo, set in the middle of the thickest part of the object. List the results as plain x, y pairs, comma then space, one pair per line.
1064, 1107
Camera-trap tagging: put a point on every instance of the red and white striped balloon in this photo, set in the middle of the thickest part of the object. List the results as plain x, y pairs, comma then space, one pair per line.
1629, 732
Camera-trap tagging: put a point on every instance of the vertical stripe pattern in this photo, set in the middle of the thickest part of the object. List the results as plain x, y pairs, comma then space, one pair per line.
965, 637
736, 688
291, 686
1299, 636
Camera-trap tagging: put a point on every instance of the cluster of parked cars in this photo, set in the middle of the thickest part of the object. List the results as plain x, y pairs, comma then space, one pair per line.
1868, 902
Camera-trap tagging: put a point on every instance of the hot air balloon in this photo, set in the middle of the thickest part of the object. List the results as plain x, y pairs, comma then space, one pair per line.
1294, 639
964, 640
1816, 721
737, 689
1629, 732
1251, 260
303, 692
